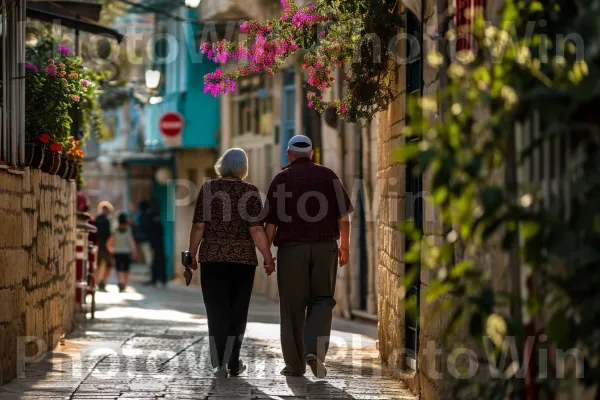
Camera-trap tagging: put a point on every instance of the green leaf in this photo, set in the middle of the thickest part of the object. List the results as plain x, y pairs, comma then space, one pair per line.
536, 6
406, 153
437, 289
529, 229
459, 269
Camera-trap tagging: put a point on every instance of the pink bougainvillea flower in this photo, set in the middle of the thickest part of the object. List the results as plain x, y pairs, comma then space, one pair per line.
61, 66
75, 98
50, 61
84, 82
63, 73
44, 138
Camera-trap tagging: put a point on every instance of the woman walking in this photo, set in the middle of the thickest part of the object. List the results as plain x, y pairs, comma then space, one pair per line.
226, 227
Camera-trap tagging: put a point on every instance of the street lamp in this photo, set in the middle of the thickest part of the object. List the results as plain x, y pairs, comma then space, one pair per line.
152, 79
192, 3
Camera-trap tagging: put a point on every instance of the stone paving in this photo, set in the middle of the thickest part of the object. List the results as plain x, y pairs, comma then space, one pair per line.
152, 343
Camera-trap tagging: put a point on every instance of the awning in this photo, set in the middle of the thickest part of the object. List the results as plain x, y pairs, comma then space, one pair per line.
73, 23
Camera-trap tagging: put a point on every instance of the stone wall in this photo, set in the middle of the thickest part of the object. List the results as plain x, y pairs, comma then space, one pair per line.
390, 241
432, 380
37, 263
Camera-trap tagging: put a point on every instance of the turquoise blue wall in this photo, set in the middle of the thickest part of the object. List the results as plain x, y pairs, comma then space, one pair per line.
201, 111
184, 93
161, 193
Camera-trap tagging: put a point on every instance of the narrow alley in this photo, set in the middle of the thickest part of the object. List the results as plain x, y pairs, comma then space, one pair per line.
151, 343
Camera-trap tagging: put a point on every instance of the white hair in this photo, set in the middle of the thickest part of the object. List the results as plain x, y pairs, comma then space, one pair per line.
232, 164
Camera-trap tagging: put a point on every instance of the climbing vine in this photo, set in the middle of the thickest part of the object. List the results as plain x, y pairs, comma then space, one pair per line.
517, 78
330, 34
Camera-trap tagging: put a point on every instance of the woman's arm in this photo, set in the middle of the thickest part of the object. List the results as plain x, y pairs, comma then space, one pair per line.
196, 235
270, 229
262, 243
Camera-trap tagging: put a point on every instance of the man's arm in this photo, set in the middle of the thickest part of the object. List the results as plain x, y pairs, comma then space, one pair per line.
344, 251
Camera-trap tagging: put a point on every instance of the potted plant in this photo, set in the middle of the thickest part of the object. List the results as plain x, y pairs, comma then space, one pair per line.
34, 150
52, 159
74, 155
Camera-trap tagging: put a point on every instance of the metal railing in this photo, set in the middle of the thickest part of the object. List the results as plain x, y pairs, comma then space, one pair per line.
12, 82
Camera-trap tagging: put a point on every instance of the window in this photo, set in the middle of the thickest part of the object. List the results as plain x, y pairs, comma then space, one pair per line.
252, 107
464, 14
12, 84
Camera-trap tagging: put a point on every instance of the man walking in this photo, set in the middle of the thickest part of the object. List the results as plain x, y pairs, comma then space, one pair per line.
105, 258
307, 213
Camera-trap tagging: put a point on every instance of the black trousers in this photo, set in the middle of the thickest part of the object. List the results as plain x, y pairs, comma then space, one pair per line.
122, 262
227, 289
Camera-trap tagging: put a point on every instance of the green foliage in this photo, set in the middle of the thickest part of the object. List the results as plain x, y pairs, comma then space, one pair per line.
354, 35
471, 150
57, 87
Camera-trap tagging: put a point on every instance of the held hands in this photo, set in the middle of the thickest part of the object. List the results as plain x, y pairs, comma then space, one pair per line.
344, 256
270, 265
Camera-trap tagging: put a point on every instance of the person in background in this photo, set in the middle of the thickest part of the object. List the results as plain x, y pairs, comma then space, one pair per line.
122, 245
142, 222
159, 259
104, 259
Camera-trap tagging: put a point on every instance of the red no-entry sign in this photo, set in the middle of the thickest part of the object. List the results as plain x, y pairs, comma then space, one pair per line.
171, 124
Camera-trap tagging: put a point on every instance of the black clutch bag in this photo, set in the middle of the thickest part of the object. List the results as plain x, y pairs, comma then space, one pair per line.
187, 261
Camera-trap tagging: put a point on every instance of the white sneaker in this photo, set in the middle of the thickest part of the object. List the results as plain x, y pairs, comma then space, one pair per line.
316, 365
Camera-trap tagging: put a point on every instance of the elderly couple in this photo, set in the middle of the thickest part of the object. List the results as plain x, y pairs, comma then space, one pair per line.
305, 213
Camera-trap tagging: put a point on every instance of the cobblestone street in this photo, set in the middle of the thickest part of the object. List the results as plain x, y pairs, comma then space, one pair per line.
152, 343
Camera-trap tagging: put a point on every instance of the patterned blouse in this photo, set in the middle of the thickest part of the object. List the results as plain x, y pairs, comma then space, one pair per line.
228, 208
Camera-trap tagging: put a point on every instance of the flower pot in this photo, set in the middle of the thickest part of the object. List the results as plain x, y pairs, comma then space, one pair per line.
74, 170
51, 163
69, 166
64, 167
34, 155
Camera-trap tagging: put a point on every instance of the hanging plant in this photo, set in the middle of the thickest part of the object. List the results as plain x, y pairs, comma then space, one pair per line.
330, 34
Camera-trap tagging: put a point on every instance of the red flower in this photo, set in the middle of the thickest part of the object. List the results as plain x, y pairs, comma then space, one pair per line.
44, 138
56, 147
